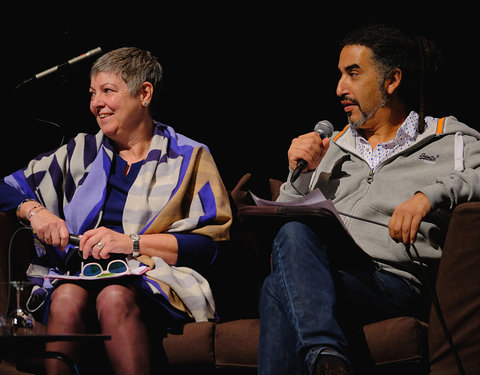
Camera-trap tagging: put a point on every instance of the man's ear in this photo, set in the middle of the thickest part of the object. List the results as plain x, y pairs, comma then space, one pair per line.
393, 81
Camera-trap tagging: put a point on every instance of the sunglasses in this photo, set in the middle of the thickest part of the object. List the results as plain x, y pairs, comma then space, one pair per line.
115, 267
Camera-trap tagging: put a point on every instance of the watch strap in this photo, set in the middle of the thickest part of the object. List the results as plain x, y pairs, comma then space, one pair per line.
136, 244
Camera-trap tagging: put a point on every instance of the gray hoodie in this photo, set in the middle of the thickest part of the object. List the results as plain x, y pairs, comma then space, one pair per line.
444, 164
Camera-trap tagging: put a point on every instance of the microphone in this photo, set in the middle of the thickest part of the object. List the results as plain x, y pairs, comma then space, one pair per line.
73, 239
86, 55
325, 130
53, 69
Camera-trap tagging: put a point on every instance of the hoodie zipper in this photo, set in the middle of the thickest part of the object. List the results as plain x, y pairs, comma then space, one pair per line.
370, 176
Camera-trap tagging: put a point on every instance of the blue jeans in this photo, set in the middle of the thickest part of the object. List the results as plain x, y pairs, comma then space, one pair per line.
306, 308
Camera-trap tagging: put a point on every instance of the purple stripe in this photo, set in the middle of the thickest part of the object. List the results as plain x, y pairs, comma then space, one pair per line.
56, 174
70, 187
89, 198
153, 155
35, 179
18, 181
90, 150
209, 206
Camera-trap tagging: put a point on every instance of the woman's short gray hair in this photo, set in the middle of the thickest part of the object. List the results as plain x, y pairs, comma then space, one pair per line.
134, 65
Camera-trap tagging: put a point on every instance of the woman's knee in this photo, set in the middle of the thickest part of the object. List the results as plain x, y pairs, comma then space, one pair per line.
69, 300
68, 309
116, 301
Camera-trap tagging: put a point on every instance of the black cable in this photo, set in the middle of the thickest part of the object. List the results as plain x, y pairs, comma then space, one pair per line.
9, 265
58, 126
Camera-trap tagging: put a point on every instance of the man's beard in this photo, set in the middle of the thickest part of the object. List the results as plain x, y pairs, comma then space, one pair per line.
368, 115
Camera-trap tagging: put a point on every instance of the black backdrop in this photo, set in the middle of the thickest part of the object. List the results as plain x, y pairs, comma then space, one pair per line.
242, 79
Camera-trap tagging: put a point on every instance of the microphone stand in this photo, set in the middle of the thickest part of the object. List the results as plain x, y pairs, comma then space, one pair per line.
61, 71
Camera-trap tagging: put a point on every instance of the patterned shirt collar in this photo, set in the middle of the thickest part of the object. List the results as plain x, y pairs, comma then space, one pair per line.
406, 136
409, 127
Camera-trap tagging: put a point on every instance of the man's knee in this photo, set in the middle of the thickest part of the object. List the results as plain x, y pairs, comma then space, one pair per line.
295, 233
295, 237
292, 228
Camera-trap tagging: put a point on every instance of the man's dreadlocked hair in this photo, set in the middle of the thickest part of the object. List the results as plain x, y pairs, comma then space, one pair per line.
417, 58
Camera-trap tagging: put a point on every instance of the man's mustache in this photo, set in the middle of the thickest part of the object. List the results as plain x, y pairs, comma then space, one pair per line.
347, 98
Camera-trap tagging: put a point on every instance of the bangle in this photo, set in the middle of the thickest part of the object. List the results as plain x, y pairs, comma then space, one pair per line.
32, 212
25, 222
24, 201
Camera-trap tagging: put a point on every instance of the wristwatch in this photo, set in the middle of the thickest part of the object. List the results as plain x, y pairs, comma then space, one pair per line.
136, 244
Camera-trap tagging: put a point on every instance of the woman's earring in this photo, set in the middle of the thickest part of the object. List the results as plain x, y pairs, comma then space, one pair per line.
145, 104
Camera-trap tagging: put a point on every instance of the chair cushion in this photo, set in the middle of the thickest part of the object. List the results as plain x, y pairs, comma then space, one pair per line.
193, 347
236, 343
402, 339
396, 340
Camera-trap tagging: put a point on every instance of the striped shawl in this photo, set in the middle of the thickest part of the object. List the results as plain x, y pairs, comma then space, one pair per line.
178, 189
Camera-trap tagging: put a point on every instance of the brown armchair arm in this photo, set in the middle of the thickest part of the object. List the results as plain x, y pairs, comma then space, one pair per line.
458, 290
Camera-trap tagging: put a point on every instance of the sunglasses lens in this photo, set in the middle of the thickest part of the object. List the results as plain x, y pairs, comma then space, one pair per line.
92, 269
117, 266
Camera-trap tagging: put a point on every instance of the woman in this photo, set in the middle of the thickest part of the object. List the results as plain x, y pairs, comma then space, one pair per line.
137, 191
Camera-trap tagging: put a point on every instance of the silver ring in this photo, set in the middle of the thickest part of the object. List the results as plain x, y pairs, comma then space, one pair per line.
100, 245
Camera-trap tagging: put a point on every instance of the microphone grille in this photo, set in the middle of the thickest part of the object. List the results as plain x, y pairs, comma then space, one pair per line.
324, 128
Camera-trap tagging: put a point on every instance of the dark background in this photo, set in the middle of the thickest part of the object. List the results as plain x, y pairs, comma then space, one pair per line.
243, 79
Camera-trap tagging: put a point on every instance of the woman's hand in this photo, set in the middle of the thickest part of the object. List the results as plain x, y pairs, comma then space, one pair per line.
100, 242
48, 227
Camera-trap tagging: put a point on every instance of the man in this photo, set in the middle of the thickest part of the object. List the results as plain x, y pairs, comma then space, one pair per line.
390, 165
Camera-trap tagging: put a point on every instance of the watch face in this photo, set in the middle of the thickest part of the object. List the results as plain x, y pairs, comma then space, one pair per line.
135, 237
